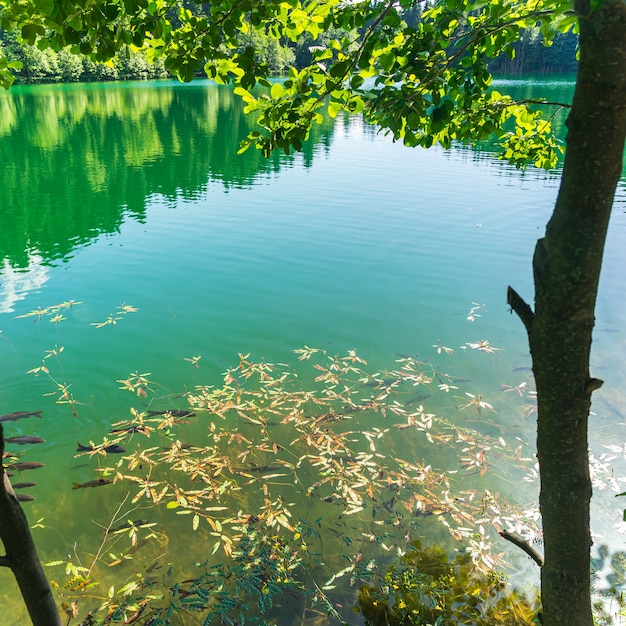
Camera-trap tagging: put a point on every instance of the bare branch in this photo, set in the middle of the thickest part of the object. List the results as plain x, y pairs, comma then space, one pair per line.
519, 305
523, 545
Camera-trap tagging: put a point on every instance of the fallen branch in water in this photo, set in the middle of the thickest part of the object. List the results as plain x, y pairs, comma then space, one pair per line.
523, 545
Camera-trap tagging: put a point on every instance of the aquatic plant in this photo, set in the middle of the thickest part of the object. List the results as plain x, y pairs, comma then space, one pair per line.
428, 588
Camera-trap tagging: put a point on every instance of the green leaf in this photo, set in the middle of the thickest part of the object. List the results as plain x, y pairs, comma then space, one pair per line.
277, 91
30, 32
387, 61
75, 21
356, 81
333, 109
339, 69
45, 7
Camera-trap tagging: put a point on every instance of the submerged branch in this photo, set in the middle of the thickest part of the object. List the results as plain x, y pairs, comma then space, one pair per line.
523, 545
21, 555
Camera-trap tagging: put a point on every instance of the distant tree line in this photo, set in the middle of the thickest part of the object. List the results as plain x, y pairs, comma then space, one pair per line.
49, 66
533, 57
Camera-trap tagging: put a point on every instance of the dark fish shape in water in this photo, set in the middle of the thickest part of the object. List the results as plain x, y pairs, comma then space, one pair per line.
24, 497
419, 398
173, 413
18, 415
23, 485
112, 449
98, 482
386, 382
128, 429
140, 523
25, 465
265, 469
24, 439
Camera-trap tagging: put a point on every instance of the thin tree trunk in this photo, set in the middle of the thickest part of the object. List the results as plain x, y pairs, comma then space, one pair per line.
566, 265
21, 555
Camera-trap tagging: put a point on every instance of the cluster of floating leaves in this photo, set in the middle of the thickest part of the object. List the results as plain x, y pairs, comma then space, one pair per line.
62, 388
482, 344
473, 312
54, 312
290, 462
114, 318
358, 451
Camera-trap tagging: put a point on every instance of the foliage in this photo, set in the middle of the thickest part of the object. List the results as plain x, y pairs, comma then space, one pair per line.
236, 591
427, 588
426, 83
306, 47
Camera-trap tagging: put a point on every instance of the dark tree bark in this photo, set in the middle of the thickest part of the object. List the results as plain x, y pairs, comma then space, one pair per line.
566, 265
21, 555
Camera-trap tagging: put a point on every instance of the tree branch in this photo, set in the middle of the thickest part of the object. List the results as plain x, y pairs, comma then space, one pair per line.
357, 55
21, 555
519, 305
593, 384
562, 105
523, 545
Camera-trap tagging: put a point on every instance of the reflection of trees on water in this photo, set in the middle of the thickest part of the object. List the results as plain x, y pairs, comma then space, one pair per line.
77, 160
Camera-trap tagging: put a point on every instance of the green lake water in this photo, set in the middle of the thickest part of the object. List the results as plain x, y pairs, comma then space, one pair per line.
131, 194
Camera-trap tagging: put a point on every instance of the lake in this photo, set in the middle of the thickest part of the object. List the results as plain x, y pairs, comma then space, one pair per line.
129, 200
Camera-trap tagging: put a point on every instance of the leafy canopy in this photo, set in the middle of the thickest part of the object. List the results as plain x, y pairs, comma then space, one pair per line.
425, 84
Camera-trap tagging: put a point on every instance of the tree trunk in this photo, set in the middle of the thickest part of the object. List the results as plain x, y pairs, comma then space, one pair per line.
566, 265
21, 555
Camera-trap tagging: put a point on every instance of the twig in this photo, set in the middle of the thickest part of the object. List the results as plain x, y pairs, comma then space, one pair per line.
523, 545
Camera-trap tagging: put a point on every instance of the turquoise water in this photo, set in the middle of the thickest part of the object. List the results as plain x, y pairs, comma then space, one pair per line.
132, 195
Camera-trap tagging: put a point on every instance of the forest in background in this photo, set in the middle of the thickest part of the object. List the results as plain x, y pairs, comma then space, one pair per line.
49, 66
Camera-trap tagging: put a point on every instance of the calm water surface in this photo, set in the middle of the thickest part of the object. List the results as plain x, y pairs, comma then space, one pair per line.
132, 194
